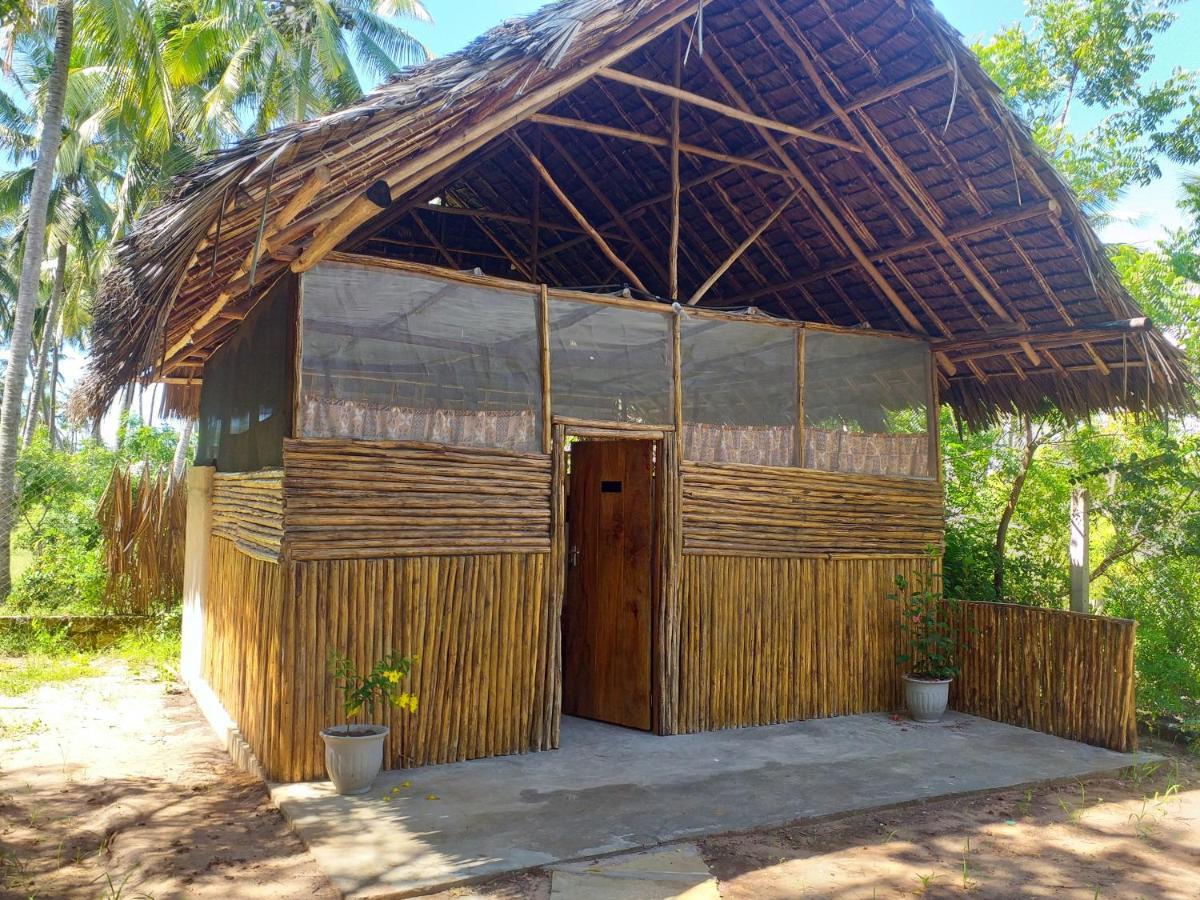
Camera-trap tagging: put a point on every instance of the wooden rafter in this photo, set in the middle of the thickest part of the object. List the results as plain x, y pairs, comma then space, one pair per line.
819, 202
724, 109
742, 248
575, 213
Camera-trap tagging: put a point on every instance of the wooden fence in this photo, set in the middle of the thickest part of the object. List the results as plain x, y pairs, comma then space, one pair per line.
142, 520
1062, 673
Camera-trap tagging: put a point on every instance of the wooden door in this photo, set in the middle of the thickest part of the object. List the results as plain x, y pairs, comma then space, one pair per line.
606, 630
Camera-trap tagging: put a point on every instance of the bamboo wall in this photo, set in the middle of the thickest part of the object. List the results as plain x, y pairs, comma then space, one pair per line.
1058, 672
248, 510
773, 639
480, 624
763, 512
368, 499
782, 608
244, 633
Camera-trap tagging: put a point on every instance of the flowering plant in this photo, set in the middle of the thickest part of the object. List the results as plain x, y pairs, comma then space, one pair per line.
930, 628
362, 694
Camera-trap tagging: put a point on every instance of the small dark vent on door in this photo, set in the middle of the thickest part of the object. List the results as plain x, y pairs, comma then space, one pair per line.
610, 487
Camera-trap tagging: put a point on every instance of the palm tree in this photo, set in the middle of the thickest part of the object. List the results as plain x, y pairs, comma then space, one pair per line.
31, 266
270, 62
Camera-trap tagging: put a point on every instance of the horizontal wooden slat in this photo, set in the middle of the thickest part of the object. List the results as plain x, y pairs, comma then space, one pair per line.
247, 508
370, 499
759, 511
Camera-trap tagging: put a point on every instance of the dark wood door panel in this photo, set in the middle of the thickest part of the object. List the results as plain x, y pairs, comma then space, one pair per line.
606, 611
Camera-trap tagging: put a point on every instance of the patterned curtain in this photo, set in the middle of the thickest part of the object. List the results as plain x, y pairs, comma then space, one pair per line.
354, 419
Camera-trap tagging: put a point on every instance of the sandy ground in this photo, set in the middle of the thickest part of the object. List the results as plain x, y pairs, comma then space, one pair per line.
114, 787
119, 789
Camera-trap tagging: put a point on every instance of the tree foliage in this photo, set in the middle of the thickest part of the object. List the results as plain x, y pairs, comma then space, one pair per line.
1090, 61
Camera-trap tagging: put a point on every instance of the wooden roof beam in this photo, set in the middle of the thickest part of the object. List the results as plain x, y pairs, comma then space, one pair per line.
928, 215
827, 213
965, 229
575, 212
732, 112
742, 248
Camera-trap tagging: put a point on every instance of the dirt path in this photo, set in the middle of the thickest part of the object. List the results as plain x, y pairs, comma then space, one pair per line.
115, 786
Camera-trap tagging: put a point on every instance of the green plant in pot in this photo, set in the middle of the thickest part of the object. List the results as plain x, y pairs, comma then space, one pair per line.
354, 750
932, 638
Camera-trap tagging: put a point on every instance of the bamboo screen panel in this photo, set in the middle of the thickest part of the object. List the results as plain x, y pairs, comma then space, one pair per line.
610, 363
356, 499
866, 404
765, 640
1062, 673
391, 355
745, 510
739, 392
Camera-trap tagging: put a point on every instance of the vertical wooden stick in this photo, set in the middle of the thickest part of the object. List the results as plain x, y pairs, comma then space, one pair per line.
675, 188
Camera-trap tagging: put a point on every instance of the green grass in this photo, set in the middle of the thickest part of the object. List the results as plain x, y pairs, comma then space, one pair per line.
44, 656
22, 559
21, 674
150, 651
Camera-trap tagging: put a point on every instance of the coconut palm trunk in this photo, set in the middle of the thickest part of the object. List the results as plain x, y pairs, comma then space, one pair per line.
179, 463
31, 265
49, 339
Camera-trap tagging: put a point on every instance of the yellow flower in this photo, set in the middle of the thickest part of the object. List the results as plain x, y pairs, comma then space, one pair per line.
392, 675
406, 784
354, 710
432, 797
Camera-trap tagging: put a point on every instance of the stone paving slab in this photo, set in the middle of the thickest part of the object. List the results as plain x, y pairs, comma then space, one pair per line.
672, 872
611, 790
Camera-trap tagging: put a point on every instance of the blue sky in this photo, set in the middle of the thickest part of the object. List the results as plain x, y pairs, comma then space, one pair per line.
1140, 217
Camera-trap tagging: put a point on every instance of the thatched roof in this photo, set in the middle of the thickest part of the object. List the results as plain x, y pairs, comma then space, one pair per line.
912, 200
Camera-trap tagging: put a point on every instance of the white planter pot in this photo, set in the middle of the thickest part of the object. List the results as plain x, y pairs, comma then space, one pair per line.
353, 760
926, 700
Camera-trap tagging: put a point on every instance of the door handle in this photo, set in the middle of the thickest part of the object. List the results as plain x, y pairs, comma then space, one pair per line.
573, 557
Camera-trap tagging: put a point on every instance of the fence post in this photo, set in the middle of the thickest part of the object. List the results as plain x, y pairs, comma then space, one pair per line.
195, 568
1081, 504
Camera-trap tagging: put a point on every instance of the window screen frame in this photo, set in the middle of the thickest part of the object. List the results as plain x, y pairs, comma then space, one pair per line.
549, 415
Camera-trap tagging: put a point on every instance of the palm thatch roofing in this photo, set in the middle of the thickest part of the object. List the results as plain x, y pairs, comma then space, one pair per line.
859, 142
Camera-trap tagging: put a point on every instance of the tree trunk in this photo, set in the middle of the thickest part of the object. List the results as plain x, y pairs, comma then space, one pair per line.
31, 266
179, 463
52, 399
49, 339
1014, 497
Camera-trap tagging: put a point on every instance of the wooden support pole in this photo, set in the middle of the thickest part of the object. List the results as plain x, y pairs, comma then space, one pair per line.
742, 248
673, 252
576, 214
1080, 569
742, 115
544, 360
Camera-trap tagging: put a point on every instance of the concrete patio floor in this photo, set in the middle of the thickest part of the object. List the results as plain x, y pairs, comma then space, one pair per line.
610, 790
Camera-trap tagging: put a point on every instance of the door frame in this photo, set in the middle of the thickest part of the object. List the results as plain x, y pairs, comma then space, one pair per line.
665, 559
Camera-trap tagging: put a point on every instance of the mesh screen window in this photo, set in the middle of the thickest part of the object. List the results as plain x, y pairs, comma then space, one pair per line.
866, 404
739, 392
391, 355
246, 395
610, 364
